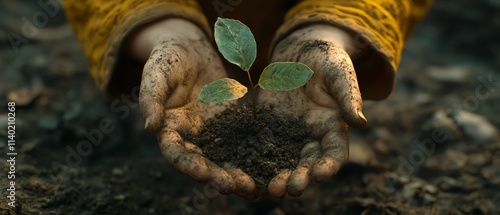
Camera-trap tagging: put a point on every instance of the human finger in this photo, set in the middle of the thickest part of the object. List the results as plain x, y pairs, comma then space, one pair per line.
161, 75
244, 184
301, 176
187, 162
335, 153
220, 178
192, 164
277, 185
153, 95
342, 82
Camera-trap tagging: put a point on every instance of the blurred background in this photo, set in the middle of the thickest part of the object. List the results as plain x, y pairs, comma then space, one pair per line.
444, 86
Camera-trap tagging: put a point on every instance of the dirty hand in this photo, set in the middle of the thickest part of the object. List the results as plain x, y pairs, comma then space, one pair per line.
329, 102
181, 61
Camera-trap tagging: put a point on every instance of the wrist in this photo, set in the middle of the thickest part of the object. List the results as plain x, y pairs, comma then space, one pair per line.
340, 37
142, 41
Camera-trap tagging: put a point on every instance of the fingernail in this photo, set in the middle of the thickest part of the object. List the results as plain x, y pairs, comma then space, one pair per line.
362, 116
147, 123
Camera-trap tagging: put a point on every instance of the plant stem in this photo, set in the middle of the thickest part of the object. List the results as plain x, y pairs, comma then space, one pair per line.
253, 94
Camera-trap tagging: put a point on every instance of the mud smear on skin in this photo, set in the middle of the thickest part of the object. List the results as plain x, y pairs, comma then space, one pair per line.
261, 146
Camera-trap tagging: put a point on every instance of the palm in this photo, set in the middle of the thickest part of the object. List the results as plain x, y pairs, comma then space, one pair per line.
328, 103
329, 149
172, 79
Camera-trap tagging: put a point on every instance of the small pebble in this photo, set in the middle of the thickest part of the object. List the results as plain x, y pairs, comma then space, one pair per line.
441, 121
447, 183
428, 198
454, 74
476, 127
22, 96
119, 197
491, 174
72, 113
117, 172
48, 122
456, 157
431, 188
410, 190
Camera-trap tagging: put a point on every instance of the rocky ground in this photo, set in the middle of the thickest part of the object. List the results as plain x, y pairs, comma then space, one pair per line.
431, 148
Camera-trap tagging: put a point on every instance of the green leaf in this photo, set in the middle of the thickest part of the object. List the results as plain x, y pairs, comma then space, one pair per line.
236, 42
224, 89
283, 76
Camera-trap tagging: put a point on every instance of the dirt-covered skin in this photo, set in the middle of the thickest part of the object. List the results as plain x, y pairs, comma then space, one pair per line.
262, 145
328, 103
180, 61
126, 174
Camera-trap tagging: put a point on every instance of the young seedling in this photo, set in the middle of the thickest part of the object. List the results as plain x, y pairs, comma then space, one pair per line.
237, 44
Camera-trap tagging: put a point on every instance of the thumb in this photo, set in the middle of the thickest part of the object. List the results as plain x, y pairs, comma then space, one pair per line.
152, 97
344, 88
157, 76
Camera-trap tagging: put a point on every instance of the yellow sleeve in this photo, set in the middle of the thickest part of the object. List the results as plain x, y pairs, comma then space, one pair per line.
385, 24
102, 25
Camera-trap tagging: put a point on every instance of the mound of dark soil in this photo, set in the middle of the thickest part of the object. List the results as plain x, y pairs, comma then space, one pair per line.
261, 145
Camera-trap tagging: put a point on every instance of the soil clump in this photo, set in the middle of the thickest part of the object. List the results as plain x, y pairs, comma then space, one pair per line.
262, 145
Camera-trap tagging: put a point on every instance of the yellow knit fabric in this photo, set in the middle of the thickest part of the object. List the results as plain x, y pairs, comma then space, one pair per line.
385, 24
102, 25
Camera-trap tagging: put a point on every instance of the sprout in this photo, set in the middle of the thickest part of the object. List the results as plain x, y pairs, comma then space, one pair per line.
237, 44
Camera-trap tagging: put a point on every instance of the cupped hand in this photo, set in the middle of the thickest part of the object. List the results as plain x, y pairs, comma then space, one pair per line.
181, 62
328, 103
